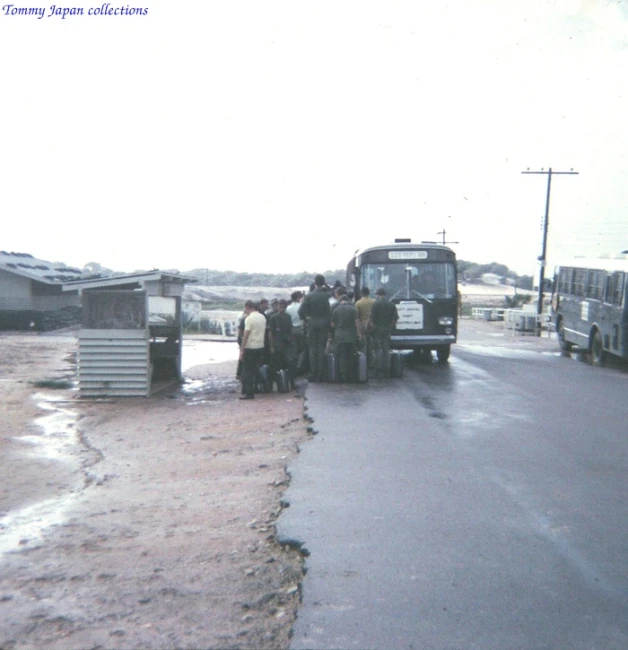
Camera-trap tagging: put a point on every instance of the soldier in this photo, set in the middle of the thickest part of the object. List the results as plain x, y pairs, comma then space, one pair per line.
251, 348
364, 307
315, 311
297, 331
381, 324
280, 338
346, 327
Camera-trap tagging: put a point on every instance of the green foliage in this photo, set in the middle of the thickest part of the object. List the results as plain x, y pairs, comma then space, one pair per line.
525, 282
514, 302
227, 304
466, 309
232, 278
472, 273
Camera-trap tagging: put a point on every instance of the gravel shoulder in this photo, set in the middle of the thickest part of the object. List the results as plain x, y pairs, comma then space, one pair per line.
141, 523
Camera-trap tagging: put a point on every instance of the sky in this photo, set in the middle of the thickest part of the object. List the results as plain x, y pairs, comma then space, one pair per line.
282, 135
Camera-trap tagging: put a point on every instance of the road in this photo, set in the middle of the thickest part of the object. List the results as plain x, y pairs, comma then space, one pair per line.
478, 504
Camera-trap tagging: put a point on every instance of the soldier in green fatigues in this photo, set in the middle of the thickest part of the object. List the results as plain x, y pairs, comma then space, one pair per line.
280, 339
346, 328
381, 324
315, 311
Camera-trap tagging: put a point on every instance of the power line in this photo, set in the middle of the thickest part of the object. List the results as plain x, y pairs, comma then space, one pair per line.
542, 258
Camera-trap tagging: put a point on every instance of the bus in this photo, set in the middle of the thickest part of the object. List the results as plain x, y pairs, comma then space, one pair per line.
589, 306
421, 280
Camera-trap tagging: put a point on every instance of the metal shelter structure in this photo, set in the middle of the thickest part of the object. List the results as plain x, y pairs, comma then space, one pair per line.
131, 337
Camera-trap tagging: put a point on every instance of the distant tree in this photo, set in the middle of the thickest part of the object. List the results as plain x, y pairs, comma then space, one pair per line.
498, 269
513, 302
525, 282
468, 272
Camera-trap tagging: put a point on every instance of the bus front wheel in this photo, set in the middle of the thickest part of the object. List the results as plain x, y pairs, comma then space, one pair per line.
564, 345
443, 353
598, 356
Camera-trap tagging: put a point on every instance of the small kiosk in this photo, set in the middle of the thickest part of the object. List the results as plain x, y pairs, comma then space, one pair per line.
131, 339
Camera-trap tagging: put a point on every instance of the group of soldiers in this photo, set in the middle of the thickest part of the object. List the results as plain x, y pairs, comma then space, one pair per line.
297, 335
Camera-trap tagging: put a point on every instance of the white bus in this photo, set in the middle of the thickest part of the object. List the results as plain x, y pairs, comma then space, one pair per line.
590, 307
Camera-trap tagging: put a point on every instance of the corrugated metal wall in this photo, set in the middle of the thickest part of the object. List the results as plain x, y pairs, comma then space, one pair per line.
114, 363
15, 292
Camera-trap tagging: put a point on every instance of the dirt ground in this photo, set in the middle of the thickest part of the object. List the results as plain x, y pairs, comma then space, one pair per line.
141, 523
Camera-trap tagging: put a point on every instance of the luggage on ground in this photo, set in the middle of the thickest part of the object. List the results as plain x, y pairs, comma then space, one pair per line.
263, 379
331, 371
283, 381
396, 363
361, 367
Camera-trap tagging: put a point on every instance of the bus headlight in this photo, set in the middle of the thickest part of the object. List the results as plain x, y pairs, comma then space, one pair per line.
445, 320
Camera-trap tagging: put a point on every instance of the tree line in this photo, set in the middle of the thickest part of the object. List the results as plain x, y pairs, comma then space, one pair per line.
470, 272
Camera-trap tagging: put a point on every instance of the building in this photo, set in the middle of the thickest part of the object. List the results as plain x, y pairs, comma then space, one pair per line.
31, 295
131, 336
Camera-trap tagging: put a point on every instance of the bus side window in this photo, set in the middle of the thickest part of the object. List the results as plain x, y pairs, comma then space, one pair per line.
608, 284
564, 281
580, 282
618, 288
595, 285
568, 288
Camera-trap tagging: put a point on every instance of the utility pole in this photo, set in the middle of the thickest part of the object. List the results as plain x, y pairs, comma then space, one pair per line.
548, 173
443, 232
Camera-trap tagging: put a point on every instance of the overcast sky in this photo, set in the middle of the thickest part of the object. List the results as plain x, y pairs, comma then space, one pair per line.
280, 136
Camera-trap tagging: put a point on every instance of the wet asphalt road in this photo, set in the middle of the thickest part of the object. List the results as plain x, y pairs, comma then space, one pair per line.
479, 504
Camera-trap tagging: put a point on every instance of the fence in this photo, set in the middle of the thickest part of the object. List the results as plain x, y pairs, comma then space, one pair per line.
521, 321
221, 323
487, 313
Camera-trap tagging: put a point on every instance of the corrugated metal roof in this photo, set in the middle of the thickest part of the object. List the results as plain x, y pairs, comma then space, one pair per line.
35, 269
131, 280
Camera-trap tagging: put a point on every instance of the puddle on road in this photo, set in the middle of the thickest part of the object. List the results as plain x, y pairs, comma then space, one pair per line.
198, 353
25, 528
58, 441
200, 391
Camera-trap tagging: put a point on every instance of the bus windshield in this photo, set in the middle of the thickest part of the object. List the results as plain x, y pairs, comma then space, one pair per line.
411, 281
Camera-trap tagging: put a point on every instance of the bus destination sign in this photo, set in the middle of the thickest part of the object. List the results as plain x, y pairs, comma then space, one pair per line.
407, 255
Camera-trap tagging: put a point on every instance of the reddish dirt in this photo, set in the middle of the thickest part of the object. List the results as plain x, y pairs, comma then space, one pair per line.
141, 523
